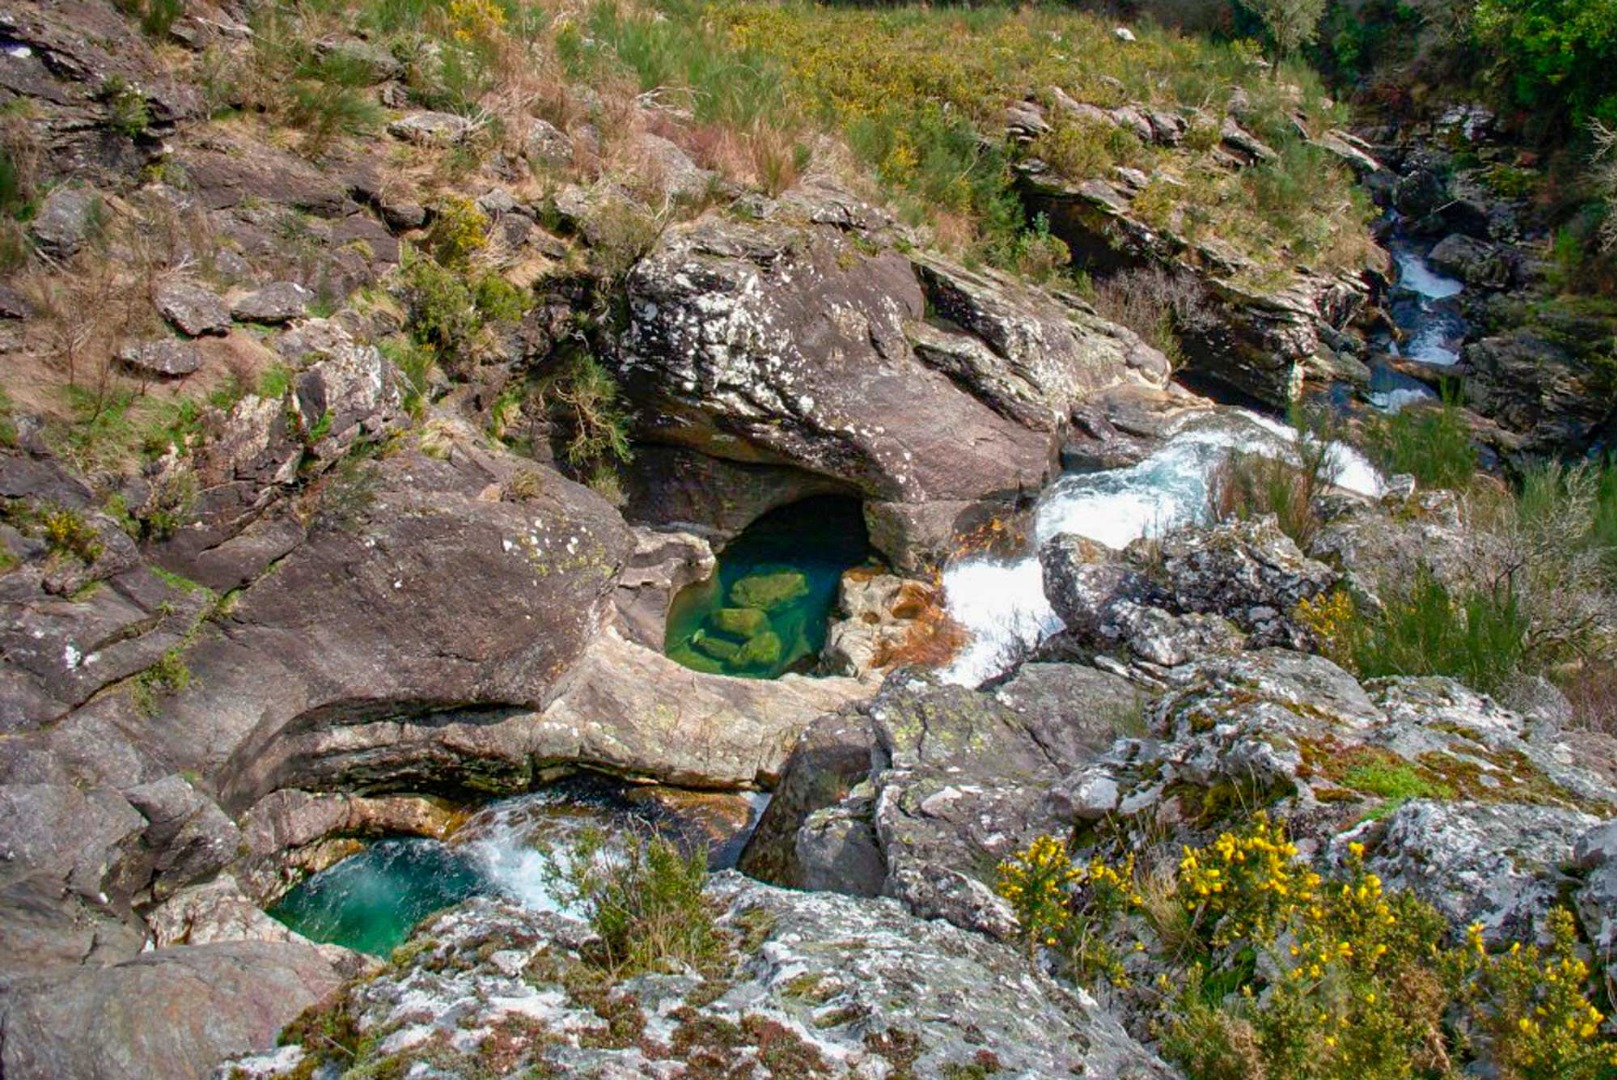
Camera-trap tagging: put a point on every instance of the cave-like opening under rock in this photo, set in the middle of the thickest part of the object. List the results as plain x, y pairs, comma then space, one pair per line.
764, 611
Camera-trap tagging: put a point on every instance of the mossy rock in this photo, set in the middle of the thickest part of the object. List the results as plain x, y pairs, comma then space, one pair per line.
739, 622
686, 656
763, 651
769, 591
721, 649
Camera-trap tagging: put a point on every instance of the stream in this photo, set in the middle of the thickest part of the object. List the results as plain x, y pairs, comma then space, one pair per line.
1425, 306
1000, 601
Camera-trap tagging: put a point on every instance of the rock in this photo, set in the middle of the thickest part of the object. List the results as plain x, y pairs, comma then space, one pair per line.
769, 591
831, 756
1248, 571
168, 357
1350, 149
884, 620
173, 1012
192, 309
763, 651
14, 304
1538, 382
1475, 262
1243, 142
1498, 865
377, 64
671, 169
1595, 853
65, 220
190, 834
659, 567
431, 128
279, 302
739, 622
546, 145
840, 987
790, 342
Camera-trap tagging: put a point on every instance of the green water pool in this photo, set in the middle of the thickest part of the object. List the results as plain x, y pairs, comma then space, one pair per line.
371, 901
764, 611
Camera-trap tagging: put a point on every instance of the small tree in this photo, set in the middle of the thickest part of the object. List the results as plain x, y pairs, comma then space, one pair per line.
1291, 23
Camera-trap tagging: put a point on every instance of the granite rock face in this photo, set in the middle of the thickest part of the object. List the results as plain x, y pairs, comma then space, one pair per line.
833, 985
802, 339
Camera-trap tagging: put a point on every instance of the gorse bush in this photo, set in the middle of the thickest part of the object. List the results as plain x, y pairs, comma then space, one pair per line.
1269, 970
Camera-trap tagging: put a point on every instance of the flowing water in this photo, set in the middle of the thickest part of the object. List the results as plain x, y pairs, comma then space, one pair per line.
1426, 307
1000, 601
764, 612
512, 849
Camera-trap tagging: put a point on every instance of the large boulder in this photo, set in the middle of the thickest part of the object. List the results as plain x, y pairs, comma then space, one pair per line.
170, 1013
803, 339
815, 985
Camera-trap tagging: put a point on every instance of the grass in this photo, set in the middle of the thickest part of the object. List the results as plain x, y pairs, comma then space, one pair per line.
1247, 485
1431, 443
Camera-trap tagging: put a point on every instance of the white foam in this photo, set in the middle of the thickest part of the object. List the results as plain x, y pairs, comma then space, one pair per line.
1001, 602
1416, 276
1390, 401
1430, 346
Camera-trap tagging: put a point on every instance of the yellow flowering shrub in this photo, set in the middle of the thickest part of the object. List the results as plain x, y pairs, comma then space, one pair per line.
1533, 1004
1330, 618
475, 20
1245, 883
1287, 974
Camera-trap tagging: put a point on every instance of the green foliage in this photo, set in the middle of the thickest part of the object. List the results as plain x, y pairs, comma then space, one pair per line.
1479, 637
127, 111
1556, 56
459, 231
1431, 443
169, 676
443, 314
645, 901
416, 362
1245, 485
1398, 781
275, 381
596, 425
1291, 24
498, 300
158, 17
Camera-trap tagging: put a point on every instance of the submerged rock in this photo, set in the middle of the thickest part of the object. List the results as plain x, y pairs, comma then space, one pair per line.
769, 592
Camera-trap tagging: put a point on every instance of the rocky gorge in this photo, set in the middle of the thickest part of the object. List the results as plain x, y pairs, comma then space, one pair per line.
361, 487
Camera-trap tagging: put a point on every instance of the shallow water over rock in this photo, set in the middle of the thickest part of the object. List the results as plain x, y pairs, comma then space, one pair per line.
765, 611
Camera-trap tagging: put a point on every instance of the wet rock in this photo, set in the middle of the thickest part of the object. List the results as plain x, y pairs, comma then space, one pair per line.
65, 220
192, 309
769, 591
847, 987
883, 620
1475, 262
168, 358
661, 564
431, 128
279, 302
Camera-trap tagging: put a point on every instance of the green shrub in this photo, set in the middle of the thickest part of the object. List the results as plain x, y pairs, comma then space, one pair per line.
442, 312
1269, 969
499, 301
1431, 443
1557, 56
159, 17
1479, 637
596, 425
67, 533
416, 362
127, 111
645, 901
169, 676
459, 231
